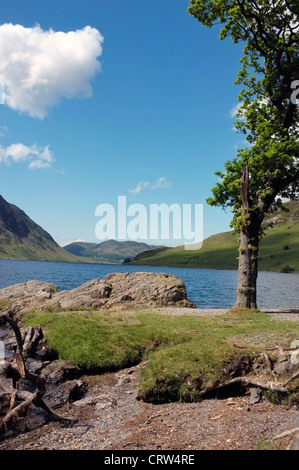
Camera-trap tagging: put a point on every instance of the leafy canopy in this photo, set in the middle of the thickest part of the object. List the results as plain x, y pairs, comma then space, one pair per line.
268, 111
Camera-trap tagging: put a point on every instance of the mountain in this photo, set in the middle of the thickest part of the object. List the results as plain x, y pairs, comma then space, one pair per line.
109, 251
279, 248
21, 238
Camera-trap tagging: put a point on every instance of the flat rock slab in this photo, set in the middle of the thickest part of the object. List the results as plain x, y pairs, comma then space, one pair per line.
117, 289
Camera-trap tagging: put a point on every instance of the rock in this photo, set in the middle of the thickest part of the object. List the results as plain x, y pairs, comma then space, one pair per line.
295, 443
28, 293
91, 294
147, 289
255, 395
65, 392
295, 344
59, 371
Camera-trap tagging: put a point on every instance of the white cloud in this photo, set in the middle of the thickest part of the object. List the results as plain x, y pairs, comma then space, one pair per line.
139, 187
235, 110
37, 157
39, 67
160, 183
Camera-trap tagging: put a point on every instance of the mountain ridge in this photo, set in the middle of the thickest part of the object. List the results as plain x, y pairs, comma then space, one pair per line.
109, 250
22, 238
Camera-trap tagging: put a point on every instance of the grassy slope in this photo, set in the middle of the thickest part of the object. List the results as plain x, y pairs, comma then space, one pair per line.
221, 251
34, 249
184, 354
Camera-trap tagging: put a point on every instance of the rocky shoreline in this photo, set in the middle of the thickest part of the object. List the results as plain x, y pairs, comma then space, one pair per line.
100, 404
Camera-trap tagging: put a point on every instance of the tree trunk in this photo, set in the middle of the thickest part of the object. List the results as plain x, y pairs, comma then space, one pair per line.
248, 269
248, 249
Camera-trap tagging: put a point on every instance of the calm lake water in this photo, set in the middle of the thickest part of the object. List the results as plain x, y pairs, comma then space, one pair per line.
207, 288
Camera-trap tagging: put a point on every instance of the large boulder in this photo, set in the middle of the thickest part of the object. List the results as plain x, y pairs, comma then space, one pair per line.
147, 289
138, 289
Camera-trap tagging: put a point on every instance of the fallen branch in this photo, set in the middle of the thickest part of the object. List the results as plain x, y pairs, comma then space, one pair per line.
20, 370
294, 376
285, 433
273, 386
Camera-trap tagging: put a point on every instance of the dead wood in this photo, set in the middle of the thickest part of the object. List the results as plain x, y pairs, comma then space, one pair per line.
286, 433
18, 370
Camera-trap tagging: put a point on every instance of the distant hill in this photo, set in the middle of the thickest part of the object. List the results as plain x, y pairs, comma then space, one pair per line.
109, 251
21, 238
279, 248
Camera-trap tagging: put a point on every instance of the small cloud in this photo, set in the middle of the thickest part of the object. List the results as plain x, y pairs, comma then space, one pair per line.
161, 183
38, 157
3, 131
139, 187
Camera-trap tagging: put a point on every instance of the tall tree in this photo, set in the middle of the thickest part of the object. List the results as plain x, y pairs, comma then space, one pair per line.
267, 170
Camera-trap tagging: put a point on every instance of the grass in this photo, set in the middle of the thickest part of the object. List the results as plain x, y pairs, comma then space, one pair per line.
279, 248
184, 354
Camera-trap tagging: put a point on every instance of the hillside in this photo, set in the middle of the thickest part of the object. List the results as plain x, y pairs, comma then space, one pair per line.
109, 251
279, 249
22, 238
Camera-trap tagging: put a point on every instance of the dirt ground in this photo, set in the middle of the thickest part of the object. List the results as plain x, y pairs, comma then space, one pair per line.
109, 417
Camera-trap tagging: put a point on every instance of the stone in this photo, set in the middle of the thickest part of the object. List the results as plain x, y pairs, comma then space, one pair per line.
255, 395
147, 289
295, 443
140, 289
28, 293
68, 391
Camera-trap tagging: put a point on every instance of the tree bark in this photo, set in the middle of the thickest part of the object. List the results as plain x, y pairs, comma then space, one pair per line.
247, 270
248, 249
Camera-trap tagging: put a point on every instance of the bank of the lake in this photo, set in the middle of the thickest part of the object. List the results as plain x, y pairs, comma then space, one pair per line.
207, 288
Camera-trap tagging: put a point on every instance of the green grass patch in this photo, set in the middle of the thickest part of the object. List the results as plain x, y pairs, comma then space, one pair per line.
184, 354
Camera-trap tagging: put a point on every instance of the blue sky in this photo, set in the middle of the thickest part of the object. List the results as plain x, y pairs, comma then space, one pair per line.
137, 102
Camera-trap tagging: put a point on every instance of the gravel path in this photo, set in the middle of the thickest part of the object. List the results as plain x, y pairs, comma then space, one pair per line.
289, 314
110, 418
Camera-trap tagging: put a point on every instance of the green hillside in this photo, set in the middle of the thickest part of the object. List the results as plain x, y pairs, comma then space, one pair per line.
22, 238
279, 249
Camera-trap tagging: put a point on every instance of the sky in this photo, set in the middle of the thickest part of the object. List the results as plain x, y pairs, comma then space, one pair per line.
110, 98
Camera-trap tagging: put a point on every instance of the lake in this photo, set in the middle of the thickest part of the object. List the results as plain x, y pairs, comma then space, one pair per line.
207, 288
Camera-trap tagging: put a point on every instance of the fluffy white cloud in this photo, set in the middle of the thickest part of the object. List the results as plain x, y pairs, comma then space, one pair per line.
160, 183
39, 67
37, 157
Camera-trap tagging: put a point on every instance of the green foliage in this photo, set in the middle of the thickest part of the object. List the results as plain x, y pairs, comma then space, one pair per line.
287, 269
267, 116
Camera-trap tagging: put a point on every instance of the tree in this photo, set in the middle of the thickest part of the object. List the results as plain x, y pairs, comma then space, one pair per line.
267, 170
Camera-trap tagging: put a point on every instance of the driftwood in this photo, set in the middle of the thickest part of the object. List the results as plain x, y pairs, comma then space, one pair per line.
17, 369
273, 385
286, 433
247, 380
